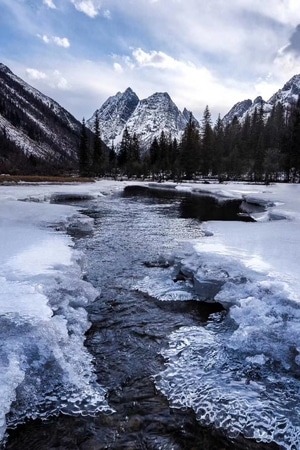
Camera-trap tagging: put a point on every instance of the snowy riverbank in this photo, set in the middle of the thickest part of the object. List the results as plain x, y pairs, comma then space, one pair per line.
239, 374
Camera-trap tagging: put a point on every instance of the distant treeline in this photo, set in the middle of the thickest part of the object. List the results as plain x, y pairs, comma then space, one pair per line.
260, 149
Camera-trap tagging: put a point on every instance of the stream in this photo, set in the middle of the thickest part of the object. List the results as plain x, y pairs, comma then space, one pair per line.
135, 236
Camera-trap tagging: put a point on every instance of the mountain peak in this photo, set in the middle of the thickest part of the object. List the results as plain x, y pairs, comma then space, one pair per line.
295, 80
129, 91
37, 128
5, 69
146, 118
258, 100
288, 95
238, 110
114, 113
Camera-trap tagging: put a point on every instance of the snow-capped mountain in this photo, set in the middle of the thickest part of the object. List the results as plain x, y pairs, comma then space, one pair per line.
286, 96
146, 118
34, 127
238, 110
114, 114
289, 93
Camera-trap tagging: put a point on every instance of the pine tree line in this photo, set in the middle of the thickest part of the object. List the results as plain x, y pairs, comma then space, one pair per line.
261, 149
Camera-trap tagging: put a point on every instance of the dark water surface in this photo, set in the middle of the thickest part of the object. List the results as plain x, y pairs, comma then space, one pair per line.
133, 235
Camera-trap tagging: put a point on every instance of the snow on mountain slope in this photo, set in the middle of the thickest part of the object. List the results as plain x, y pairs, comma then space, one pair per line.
35, 125
146, 118
286, 96
113, 115
46, 101
29, 146
155, 114
238, 110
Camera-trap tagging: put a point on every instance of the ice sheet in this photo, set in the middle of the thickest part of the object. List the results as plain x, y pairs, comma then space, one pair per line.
241, 372
44, 365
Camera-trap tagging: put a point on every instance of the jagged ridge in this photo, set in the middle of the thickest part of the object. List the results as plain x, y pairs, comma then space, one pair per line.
286, 96
34, 125
146, 118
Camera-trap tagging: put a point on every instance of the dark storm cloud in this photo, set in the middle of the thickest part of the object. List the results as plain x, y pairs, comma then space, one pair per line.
294, 44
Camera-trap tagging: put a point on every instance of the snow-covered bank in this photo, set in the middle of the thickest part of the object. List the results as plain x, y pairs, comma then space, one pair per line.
44, 366
241, 372
273, 244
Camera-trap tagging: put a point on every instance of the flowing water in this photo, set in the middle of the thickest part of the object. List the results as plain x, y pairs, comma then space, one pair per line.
134, 239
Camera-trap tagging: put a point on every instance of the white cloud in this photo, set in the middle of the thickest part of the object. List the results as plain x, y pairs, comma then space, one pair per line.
34, 74
89, 7
51, 78
201, 52
61, 42
107, 14
44, 38
59, 81
286, 65
154, 58
49, 3
190, 85
118, 67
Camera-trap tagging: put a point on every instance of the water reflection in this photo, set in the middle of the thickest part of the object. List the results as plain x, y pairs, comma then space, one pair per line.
190, 206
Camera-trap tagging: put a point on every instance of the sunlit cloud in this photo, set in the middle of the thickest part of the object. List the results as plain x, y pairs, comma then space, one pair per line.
61, 42
53, 78
34, 74
49, 3
202, 52
190, 85
154, 58
59, 80
118, 67
89, 7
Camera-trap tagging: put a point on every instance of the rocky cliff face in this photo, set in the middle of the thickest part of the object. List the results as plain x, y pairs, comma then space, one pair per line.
286, 96
33, 126
146, 118
114, 114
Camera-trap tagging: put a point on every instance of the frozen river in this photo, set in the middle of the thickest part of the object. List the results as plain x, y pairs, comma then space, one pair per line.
192, 333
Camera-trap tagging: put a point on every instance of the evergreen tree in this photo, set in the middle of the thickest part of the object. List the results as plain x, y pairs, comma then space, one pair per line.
245, 146
154, 154
232, 148
124, 150
217, 157
83, 151
97, 148
190, 150
292, 144
272, 163
112, 162
164, 155
133, 157
206, 143
257, 142
174, 153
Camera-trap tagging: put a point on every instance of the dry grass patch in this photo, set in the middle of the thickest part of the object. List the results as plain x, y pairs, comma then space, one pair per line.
43, 179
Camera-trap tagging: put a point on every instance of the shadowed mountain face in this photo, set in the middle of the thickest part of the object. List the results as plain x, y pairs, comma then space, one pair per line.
286, 96
36, 133
146, 118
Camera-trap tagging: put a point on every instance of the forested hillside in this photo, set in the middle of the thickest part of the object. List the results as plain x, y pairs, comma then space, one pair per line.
262, 147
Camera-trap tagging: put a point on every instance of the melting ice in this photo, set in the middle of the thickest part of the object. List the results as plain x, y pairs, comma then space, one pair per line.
240, 373
44, 367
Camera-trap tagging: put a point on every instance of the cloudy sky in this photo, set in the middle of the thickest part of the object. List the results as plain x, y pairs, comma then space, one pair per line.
202, 52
